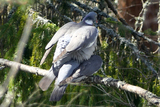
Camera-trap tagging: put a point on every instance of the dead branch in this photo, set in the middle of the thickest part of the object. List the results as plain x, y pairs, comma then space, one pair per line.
109, 82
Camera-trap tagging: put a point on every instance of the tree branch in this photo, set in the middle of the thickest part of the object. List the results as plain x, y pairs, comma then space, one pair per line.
149, 96
23, 67
110, 82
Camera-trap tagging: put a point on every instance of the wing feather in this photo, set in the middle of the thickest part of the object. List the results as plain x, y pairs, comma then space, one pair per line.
84, 37
61, 32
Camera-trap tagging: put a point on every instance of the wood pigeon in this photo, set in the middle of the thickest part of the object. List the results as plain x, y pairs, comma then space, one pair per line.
76, 43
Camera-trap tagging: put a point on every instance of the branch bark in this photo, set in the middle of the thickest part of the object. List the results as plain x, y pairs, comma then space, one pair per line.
110, 82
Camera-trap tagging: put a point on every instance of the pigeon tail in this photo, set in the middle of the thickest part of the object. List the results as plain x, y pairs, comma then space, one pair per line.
46, 81
58, 92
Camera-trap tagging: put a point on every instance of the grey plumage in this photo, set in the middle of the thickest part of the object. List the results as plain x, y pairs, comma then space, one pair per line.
65, 71
79, 72
60, 33
58, 93
87, 68
46, 81
81, 45
83, 41
83, 37
76, 43
54, 70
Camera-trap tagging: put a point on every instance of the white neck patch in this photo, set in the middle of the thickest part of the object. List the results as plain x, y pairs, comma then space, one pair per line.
90, 22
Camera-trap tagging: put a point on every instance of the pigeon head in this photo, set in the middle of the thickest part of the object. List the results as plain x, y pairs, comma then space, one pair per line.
90, 18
